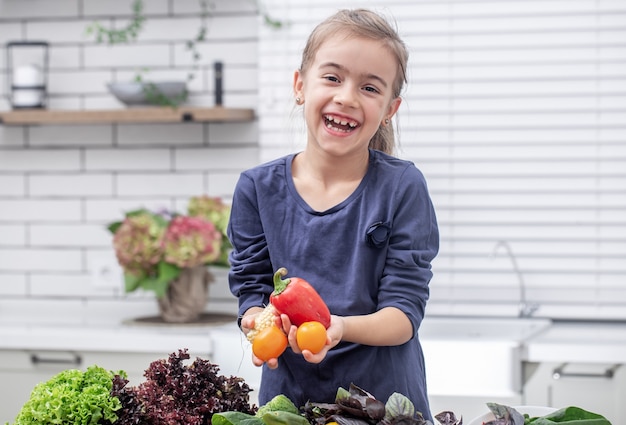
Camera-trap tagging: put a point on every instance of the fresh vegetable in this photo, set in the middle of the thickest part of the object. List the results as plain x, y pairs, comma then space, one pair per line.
448, 418
131, 412
269, 343
400, 410
235, 418
506, 415
72, 397
280, 410
296, 298
268, 340
357, 406
269, 418
176, 393
284, 418
311, 336
279, 403
569, 416
265, 319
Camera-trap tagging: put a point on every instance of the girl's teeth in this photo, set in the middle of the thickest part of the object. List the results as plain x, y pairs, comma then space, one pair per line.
340, 121
331, 121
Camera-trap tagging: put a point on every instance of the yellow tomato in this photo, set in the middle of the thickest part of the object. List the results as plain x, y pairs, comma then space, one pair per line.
269, 343
311, 336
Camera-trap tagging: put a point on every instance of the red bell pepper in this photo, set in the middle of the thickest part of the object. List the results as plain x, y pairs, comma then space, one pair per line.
296, 298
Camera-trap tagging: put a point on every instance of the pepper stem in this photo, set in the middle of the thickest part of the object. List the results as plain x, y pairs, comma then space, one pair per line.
280, 284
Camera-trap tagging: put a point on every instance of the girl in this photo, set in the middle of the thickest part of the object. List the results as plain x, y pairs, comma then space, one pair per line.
345, 215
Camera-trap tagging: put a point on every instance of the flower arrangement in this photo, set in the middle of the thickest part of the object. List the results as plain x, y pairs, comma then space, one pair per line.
154, 247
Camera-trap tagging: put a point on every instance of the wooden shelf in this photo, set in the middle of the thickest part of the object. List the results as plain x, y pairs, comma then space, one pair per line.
130, 115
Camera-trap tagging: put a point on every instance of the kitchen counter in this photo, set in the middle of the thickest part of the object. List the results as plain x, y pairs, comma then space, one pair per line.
603, 342
221, 342
481, 329
59, 327
557, 341
106, 338
579, 342
543, 340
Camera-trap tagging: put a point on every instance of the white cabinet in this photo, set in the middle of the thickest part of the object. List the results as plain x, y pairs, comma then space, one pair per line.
21, 370
596, 387
473, 361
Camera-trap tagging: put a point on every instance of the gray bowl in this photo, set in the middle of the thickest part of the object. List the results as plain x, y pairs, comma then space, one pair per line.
137, 93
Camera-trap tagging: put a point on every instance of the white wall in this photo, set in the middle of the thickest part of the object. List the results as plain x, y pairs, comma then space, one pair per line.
60, 185
514, 110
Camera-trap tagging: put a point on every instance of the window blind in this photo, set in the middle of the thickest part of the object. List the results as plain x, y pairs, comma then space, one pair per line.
517, 116
515, 111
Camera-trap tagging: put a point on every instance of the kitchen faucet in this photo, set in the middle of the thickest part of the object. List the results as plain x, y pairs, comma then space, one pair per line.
525, 310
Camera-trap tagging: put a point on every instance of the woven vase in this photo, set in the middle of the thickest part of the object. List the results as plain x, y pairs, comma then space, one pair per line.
187, 296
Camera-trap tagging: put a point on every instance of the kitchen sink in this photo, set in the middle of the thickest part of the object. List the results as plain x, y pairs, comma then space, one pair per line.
476, 356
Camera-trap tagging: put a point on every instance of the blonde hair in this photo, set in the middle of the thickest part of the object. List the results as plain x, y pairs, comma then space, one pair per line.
366, 24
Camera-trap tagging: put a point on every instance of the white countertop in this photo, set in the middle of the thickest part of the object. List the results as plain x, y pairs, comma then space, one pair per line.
110, 338
481, 329
589, 342
579, 342
542, 340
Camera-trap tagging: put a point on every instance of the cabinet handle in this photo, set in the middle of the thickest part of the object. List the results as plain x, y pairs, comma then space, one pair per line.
75, 360
559, 372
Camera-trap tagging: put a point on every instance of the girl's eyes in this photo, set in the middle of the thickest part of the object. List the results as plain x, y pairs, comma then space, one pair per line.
335, 79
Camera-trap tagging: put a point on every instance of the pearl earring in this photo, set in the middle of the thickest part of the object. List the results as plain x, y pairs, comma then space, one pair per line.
298, 101
386, 121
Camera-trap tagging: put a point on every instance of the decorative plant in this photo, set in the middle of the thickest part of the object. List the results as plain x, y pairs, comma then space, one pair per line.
130, 32
153, 247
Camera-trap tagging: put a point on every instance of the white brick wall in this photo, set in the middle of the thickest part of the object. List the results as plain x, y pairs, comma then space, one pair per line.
459, 108
514, 112
60, 185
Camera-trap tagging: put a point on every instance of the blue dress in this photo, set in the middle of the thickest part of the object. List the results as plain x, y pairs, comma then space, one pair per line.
372, 250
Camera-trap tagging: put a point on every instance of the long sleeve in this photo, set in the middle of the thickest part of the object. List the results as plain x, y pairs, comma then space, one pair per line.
372, 250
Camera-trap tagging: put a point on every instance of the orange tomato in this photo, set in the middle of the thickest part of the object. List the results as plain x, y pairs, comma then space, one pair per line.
311, 336
269, 343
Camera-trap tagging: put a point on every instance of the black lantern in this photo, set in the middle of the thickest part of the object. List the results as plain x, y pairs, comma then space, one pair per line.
27, 65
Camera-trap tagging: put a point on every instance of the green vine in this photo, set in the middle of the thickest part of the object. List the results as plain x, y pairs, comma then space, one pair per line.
131, 31
192, 45
124, 35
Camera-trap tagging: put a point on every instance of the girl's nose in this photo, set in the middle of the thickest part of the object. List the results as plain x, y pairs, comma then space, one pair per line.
346, 96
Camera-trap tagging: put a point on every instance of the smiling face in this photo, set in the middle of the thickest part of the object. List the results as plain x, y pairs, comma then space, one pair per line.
348, 93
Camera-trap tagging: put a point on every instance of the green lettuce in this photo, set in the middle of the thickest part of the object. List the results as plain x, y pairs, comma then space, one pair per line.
72, 397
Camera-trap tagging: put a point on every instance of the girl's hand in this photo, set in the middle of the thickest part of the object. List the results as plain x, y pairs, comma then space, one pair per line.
333, 337
247, 320
271, 363
247, 323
